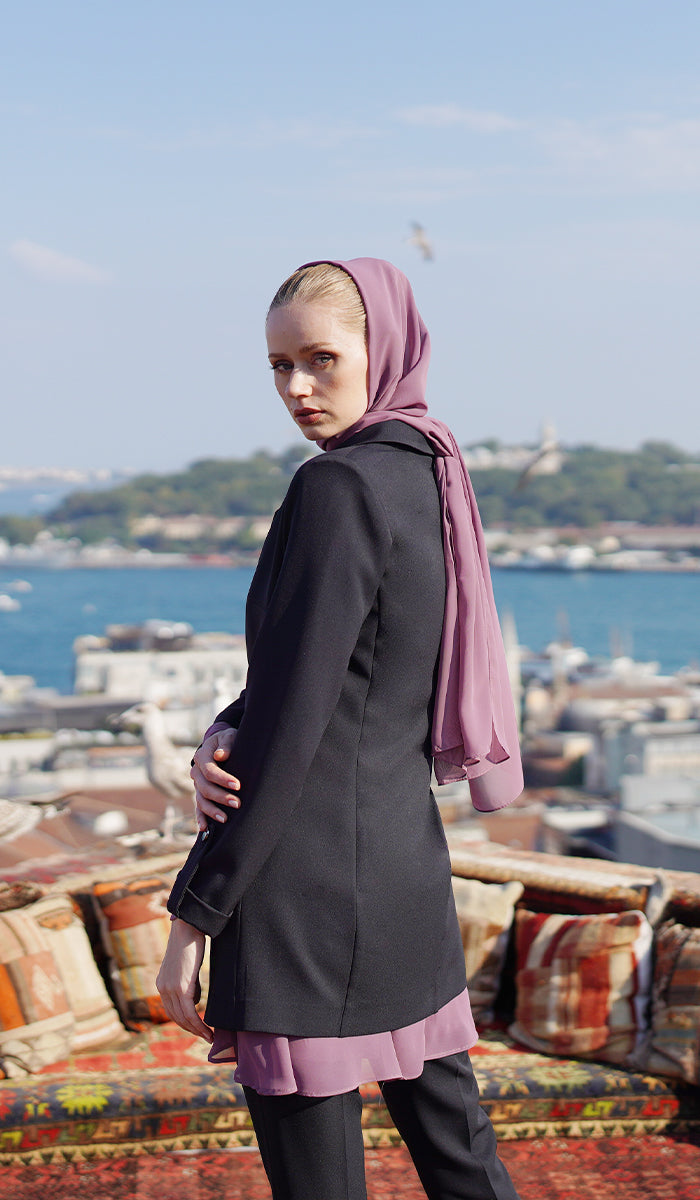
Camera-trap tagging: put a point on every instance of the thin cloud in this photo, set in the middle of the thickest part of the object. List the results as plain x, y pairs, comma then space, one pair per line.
639, 151
439, 116
51, 265
648, 152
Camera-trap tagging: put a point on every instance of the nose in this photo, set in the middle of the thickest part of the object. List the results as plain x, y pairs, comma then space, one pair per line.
299, 384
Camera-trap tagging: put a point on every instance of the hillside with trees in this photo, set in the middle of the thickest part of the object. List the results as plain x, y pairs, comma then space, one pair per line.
249, 488
655, 485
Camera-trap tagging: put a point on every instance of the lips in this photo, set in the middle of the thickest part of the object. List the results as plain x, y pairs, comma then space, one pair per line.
307, 416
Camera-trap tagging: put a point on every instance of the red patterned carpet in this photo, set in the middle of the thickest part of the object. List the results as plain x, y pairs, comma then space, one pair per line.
640, 1168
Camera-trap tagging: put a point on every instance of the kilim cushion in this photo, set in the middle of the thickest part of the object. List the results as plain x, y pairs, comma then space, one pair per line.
135, 926
583, 984
674, 1047
485, 912
52, 997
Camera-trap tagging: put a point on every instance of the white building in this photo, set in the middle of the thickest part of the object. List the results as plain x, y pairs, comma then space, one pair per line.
166, 663
663, 750
669, 839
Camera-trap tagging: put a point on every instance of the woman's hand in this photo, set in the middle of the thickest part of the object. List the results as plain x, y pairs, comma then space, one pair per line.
212, 785
178, 978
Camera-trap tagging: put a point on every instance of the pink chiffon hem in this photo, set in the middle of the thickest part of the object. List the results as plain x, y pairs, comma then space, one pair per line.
274, 1065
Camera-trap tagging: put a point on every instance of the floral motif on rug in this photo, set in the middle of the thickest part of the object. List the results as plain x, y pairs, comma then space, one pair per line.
530, 1095
59, 1117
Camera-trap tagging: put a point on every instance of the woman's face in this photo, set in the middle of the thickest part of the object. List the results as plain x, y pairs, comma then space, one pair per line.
320, 367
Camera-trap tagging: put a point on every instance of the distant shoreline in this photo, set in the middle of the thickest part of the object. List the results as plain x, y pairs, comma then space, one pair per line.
157, 562
663, 568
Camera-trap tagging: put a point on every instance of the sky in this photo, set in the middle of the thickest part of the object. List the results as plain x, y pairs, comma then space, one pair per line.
166, 164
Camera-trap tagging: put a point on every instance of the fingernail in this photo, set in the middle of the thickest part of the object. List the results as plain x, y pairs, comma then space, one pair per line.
220, 817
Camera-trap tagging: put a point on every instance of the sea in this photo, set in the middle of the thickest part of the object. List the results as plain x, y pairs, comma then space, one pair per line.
649, 616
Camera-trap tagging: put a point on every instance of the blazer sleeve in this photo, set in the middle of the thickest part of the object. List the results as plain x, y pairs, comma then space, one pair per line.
231, 715
328, 570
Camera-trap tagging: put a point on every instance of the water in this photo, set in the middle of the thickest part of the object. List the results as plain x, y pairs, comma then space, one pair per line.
655, 616
65, 604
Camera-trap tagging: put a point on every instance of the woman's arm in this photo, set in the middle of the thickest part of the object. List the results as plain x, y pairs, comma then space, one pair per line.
335, 545
178, 978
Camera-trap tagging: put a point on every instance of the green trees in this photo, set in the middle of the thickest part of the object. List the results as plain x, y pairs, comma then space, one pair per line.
250, 487
655, 485
20, 529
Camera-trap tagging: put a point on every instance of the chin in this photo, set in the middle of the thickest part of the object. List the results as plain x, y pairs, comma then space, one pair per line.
313, 434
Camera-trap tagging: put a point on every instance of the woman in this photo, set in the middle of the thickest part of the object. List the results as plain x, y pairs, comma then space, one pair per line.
322, 873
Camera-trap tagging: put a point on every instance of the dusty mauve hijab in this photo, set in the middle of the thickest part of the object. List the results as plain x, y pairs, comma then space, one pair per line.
475, 735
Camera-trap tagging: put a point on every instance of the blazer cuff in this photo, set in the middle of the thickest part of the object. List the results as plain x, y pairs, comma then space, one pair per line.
205, 918
217, 727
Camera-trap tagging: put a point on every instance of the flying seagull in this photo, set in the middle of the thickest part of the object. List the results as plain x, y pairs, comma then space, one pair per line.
546, 451
420, 240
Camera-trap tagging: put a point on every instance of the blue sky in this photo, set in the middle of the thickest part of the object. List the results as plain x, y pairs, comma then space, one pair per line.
167, 164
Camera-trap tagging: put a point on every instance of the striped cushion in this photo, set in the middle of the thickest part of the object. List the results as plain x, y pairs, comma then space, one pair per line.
675, 1016
52, 997
583, 984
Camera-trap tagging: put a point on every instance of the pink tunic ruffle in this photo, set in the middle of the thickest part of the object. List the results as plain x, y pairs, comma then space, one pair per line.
274, 1065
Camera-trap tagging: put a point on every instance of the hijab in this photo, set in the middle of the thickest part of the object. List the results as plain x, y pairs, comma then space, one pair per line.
474, 733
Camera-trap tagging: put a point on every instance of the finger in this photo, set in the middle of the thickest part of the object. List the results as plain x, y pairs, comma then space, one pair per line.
204, 808
186, 1016
218, 792
180, 1007
214, 773
213, 807
219, 778
213, 792
191, 1020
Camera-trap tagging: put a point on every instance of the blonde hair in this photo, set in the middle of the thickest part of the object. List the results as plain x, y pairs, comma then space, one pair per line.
324, 281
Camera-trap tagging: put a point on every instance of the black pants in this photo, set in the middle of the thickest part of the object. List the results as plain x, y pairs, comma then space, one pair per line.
312, 1147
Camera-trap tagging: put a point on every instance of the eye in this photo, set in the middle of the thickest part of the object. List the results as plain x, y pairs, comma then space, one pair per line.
281, 364
323, 358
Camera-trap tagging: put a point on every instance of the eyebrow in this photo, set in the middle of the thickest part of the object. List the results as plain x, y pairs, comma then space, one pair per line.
304, 349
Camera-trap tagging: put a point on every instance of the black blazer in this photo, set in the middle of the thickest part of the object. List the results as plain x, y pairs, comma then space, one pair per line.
328, 893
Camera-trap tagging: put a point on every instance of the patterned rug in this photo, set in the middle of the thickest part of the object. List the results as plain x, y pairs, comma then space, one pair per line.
642, 1168
160, 1094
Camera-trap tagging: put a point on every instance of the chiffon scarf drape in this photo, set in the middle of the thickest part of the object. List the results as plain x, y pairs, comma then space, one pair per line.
474, 733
